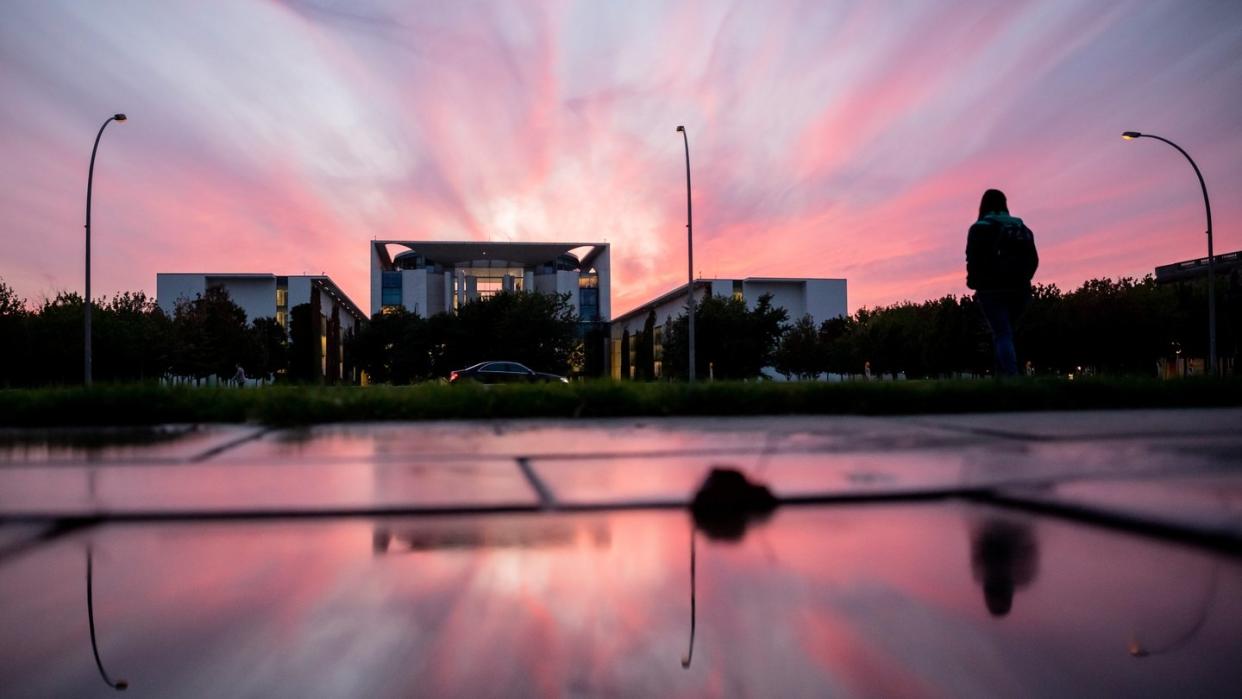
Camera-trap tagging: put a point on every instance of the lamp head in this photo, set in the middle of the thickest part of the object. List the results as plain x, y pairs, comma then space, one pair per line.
119, 117
681, 128
1130, 135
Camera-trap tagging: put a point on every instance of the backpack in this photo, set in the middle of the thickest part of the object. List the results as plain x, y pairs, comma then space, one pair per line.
1016, 259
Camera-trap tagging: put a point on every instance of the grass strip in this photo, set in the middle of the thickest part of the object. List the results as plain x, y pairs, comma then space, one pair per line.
149, 404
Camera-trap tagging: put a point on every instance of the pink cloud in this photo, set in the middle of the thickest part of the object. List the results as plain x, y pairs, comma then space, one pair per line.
826, 141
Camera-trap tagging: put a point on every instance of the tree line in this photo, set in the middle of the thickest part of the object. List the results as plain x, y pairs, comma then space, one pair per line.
1118, 327
133, 339
1122, 327
538, 330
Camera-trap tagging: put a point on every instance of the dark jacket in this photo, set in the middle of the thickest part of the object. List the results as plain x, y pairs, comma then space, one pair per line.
1000, 254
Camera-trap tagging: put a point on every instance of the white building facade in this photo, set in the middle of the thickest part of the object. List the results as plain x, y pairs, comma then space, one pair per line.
430, 277
820, 298
333, 315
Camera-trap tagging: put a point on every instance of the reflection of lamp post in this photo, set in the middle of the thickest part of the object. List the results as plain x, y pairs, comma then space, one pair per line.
689, 249
1135, 646
120, 685
90, 177
685, 659
1207, 205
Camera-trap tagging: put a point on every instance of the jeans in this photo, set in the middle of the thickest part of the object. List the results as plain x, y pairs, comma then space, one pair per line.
1002, 310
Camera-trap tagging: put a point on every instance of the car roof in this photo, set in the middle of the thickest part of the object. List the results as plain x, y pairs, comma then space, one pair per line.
497, 361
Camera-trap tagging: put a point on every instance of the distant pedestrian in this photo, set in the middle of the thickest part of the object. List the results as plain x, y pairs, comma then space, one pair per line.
1000, 262
239, 377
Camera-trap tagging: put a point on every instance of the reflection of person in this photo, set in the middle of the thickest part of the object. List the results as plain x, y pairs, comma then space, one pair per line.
1000, 262
1003, 557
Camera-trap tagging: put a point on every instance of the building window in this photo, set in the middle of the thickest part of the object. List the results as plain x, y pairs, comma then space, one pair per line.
588, 296
737, 290
488, 278
282, 302
588, 305
390, 289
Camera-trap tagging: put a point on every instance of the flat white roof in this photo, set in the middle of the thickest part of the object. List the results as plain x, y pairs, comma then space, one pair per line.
452, 252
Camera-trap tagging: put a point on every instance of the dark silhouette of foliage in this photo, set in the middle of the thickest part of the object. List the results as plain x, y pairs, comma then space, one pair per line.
644, 352
799, 352
304, 344
395, 348
211, 336
538, 330
625, 354
733, 342
270, 354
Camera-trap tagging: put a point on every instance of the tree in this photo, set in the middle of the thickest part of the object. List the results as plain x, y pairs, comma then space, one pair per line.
394, 347
644, 353
732, 342
305, 350
538, 330
211, 337
799, 352
625, 354
56, 340
133, 338
270, 347
14, 343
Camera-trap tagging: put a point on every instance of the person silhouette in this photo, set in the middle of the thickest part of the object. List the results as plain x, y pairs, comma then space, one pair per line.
1000, 262
1003, 557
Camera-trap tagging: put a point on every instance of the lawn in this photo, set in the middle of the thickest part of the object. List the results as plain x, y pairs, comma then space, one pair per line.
145, 404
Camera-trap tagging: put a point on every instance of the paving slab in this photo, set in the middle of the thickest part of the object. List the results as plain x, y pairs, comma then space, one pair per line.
1094, 424
605, 437
1205, 504
878, 472
158, 444
257, 489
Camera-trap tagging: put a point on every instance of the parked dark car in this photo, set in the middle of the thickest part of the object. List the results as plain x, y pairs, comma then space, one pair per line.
502, 372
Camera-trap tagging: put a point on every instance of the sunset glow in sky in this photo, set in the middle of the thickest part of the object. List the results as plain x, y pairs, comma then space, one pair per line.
828, 138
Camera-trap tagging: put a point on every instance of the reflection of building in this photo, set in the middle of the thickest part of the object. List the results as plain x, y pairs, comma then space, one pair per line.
333, 314
515, 531
428, 277
820, 298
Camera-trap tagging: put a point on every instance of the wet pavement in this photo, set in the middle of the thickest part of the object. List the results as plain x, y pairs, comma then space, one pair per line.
1047, 554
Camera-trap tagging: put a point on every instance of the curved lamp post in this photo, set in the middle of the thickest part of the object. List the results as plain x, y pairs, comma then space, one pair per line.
90, 176
1207, 205
690, 250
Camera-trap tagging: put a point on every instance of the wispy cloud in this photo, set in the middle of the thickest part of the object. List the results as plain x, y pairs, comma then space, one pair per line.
827, 139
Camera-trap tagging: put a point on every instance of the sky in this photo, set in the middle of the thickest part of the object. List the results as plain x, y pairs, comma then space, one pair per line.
827, 138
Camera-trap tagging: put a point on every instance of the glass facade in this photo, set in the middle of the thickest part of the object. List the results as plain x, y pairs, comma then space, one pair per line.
588, 296
494, 276
390, 290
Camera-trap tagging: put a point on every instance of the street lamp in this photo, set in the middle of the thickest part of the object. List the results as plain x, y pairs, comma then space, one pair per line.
689, 249
87, 299
1207, 205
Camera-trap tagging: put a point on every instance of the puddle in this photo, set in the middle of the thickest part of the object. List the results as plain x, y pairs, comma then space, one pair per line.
936, 599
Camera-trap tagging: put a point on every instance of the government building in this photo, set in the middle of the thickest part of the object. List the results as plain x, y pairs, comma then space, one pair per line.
427, 278
332, 314
819, 298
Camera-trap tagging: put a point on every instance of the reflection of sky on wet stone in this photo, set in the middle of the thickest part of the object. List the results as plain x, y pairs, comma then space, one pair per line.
859, 600
844, 139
